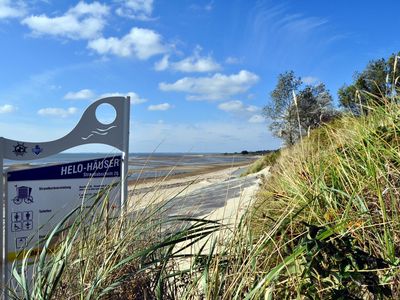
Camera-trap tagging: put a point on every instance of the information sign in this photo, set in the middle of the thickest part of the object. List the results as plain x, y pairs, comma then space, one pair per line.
39, 198
34, 195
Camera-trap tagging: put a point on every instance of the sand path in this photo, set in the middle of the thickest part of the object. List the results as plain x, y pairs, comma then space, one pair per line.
218, 195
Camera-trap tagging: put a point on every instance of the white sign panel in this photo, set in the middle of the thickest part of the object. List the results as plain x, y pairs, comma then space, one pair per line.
39, 198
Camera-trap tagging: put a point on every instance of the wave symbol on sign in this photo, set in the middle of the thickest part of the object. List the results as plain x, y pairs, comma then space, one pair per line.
98, 131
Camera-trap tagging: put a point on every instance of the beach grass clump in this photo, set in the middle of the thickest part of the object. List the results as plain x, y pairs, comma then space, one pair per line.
331, 211
96, 253
325, 224
266, 160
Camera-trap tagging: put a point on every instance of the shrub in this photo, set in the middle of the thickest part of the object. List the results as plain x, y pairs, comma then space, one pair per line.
263, 162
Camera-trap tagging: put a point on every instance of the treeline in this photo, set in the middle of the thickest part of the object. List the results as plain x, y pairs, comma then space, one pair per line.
295, 108
257, 152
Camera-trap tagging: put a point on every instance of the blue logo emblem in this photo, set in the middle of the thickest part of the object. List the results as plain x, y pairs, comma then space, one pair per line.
37, 150
19, 149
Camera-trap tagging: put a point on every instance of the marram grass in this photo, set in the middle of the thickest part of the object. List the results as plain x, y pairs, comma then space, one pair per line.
90, 255
326, 222
325, 225
266, 160
338, 191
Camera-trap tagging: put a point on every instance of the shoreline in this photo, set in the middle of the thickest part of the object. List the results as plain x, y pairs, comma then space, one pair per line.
188, 171
212, 192
215, 195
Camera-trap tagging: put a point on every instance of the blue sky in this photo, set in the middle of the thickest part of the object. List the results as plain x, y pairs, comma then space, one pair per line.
198, 72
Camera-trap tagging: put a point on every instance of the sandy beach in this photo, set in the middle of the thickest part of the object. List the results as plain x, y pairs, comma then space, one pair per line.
216, 193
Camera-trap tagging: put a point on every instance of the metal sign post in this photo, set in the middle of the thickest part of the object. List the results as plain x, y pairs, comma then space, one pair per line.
89, 130
125, 157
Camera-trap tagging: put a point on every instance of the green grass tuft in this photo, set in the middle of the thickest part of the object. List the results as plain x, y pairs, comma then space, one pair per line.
343, 178
325, 225
263, 162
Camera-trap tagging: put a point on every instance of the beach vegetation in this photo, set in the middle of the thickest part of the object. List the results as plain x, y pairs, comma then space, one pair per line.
324, 225
94, 253
295, 110
376, 82
266, 160
329, 213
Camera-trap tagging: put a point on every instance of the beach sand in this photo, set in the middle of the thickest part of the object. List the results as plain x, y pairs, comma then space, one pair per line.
219, 195
212, 192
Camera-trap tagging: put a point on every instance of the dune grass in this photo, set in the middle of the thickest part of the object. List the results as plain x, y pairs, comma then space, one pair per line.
263, 162
325, 225
331, 212
96, 254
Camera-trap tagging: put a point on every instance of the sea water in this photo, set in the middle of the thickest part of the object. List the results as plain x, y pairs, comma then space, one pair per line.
145, 165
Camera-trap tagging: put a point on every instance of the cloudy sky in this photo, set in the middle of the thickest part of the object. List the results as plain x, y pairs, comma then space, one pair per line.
198, 72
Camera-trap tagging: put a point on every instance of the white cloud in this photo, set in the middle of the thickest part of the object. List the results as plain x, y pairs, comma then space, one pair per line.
136, 9
79, 95
310, 80
196, 63
202, 137
257, 119
83, 21
87, 94
274, 28
7, 108
252, 108
57, 112
162, 64
238, 107
216, 87
139, 42
207, 7
163, 107
11, 9
135, 98
96, 9
246, 111
232, 60
193, 63
231, 106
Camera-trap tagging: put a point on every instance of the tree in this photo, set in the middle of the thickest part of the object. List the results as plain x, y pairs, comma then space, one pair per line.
372, 86
315, 106
280, 111
292, 119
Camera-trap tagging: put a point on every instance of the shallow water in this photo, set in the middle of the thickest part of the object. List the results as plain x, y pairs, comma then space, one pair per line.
148, 165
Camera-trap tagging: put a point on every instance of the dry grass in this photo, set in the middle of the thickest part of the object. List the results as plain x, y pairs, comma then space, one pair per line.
325, 226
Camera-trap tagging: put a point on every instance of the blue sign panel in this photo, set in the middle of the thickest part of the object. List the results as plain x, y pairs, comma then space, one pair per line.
95, 168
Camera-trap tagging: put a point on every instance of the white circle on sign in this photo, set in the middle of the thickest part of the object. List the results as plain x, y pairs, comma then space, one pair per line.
105, 113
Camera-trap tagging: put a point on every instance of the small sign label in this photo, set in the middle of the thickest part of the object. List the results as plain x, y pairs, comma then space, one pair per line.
20, 242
